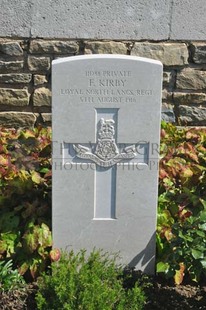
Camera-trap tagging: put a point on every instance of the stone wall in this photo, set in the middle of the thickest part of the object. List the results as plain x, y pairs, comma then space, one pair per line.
25, 76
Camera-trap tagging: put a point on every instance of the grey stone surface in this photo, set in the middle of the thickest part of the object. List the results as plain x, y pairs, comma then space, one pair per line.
86, 19
42, 97
102, 19
106, 119
169, 79
10, 66
199, 52
17, 119
168, 114
105, 48
14, 97
192, 115
191, 79
124, 20
188, 20
16, 18
189, 98
169, 54
40, 79
46, 117
11, 48
54, 47
38, 64
15, 78
167, 96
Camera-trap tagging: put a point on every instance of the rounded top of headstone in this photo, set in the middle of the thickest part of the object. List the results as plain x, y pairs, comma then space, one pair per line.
105, 57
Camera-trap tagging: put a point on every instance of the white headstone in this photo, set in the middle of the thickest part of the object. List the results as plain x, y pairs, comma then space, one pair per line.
106, 123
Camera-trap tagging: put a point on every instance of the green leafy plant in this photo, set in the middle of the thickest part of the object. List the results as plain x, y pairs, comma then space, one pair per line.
10, 278
25, 198
89, 283
181, 229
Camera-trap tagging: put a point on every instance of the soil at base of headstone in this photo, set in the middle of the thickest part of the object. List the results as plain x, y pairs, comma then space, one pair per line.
19, 299
161, 295
164, 295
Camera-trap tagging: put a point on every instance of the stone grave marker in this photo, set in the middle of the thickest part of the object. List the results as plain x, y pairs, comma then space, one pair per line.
106, 128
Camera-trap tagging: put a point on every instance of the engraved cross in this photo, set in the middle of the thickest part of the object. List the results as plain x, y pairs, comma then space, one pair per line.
106, 154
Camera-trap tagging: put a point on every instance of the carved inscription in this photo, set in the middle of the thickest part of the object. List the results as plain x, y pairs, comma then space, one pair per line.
106, 152
107, 87
115, 74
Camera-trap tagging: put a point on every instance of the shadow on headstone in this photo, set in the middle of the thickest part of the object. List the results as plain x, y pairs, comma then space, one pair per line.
146, 257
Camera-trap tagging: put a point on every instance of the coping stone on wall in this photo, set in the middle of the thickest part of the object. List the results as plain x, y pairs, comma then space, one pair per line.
16, 18
102, 19
188, 20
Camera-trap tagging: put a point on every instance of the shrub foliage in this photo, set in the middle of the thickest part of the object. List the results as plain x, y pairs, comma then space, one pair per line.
10, 279
181, 230
25, 198
78, 282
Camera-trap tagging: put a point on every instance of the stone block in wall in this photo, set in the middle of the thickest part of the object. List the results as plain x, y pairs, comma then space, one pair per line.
170, 54
38, 64
193, 79
53, 47
94, 47
15, 78
47, 117
11, 48
192, 115
167, 113
11, 66
168, 79
17, 119
198, 50
189, 98
40, 79
14, 97
166, 95
42, 97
